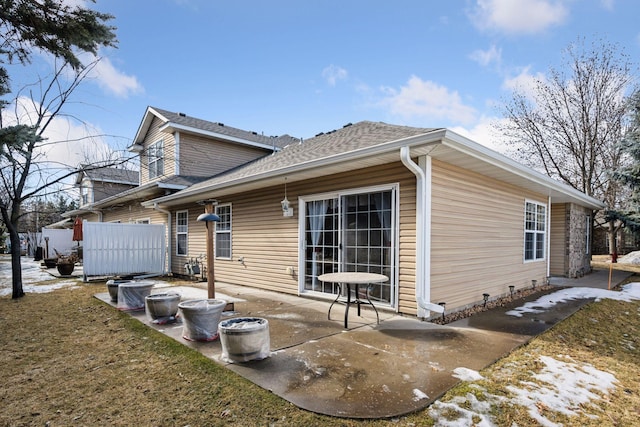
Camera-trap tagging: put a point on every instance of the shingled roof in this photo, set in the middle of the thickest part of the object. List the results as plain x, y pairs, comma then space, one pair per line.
351, 137
187, 123
114, 175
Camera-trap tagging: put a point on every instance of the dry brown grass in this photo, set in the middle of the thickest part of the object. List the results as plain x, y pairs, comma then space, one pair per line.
69, 359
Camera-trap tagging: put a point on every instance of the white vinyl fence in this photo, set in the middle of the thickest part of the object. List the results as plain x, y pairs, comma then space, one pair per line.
113, 249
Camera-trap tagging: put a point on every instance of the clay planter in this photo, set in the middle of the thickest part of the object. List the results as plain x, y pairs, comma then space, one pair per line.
131, 295
162, 307
200, 318
65, 269
244, 339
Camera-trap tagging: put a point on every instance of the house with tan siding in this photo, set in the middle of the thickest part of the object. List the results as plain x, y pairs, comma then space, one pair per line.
446, 219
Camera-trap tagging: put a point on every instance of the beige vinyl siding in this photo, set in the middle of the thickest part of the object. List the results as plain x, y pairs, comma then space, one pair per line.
268, 242
206, 157
152, 136
132, 212
477, 241
558, 265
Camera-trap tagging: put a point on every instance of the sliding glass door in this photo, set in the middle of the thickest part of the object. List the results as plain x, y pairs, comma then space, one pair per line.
352, 231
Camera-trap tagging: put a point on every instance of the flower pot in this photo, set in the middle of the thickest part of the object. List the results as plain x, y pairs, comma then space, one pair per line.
200, 318
244, 339
112, 286
162, 307
65, 269
131, 295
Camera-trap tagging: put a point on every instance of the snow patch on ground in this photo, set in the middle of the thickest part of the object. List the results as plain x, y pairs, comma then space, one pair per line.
467, 374
629, 292
562, 387
32, 275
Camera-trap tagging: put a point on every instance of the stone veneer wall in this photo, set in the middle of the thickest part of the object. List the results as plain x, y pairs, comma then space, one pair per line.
579, 259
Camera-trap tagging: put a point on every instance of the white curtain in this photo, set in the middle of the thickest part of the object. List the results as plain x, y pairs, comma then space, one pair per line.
316, 211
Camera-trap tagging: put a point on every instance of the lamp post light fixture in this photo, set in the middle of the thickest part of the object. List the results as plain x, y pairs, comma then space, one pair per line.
209, 217
534, 282
486, 298
511, 289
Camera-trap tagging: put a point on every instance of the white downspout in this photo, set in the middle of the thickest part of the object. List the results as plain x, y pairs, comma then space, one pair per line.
548, 231
159, 209
423, 232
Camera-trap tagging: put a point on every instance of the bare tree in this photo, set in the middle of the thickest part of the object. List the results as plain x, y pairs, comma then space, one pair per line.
569, 126
25, 171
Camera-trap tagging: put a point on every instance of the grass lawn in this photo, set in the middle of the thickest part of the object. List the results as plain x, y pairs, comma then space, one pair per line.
69, 359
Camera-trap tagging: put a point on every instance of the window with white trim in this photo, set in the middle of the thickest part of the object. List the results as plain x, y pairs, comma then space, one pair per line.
156, 159
535, 222
223, 232
587, 234
182, 229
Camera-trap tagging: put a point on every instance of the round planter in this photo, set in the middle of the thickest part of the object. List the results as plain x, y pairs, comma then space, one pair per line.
131, 295
162, 306
112, 286
50, 262
65, 269
200, 318
244, 339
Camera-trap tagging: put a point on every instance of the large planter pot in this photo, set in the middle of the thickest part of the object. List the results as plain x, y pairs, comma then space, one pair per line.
163, 307
50, 262
112, 286
65, 269
244, 339
200, 318
131, 295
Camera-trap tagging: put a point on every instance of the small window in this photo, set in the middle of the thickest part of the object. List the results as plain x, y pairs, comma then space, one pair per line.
223, 232
156, 159
534, 231
182, 229
587, 235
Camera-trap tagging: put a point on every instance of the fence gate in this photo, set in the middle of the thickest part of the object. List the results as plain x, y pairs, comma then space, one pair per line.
113, 249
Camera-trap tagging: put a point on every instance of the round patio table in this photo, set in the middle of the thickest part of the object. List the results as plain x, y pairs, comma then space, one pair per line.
348, 278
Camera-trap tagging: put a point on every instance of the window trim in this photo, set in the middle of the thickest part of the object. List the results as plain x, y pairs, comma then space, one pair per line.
220, 232
182, 233
154, 159
536, 232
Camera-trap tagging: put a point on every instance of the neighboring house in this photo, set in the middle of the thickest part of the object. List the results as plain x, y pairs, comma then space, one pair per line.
98, 184
446, 219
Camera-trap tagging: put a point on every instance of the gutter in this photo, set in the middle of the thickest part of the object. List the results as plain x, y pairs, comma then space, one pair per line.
423, 232
168, 213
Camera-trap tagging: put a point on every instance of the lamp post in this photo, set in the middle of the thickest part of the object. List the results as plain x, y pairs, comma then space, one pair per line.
209, 217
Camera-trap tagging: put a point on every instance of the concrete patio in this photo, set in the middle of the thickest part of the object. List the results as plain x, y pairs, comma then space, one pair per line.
368, 370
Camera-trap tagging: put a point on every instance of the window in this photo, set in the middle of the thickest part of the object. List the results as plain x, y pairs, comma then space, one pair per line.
534, 231
143, 221
156, 159
84, 195
223, 232
587, 234
182, 228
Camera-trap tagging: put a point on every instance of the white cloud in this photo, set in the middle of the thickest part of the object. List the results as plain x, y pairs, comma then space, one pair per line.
485, 132
487, 57
519, 16
420, 99
110, 79
333, 73
524, 83
67, 143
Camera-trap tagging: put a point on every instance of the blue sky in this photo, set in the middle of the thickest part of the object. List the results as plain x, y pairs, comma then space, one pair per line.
304, 67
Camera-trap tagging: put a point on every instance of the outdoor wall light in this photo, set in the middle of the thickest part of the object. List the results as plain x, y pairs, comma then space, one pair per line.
287, 210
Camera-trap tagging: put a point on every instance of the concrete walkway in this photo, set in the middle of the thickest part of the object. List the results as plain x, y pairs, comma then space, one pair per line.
369, 370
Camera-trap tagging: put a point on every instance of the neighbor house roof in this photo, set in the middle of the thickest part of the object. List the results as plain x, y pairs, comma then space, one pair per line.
367, 144
184, 123
113, 175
